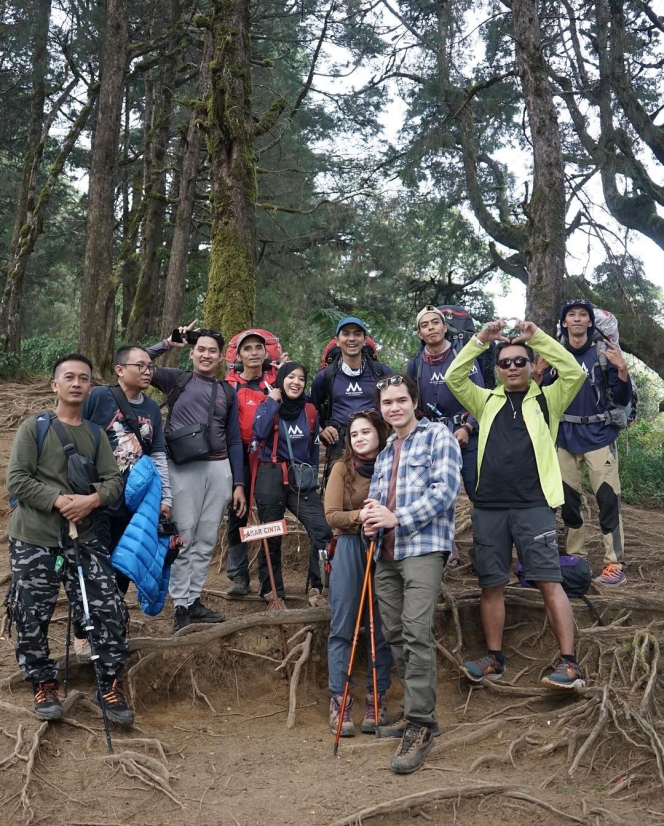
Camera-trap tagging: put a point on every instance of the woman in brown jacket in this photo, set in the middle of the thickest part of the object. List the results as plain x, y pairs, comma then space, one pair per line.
347, 488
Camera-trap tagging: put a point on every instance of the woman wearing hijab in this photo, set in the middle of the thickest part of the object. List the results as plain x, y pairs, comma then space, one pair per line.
287, 431
347, 488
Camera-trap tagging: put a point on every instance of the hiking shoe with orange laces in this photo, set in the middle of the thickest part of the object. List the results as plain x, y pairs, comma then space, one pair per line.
565, 675
611, 575
117, 706
47, 704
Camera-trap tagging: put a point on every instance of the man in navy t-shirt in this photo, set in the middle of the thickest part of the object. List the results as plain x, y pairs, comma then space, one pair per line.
586, 437
345, 386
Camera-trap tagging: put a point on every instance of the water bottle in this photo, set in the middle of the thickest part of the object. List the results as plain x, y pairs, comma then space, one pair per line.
253, 445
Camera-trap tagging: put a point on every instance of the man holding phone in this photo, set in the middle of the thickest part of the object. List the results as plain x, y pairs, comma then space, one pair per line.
205, 411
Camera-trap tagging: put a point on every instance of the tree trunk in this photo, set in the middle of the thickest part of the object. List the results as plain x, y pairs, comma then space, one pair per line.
98, 288
34, 147
177, 265
545, 251
231, 293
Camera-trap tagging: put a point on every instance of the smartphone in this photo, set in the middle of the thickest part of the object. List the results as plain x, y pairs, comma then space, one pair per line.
176, 336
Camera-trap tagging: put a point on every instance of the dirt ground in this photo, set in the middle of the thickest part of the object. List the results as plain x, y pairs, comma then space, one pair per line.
211, 746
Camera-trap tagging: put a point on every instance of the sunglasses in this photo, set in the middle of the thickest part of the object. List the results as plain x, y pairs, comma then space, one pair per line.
395, 381
519, 361
362, 414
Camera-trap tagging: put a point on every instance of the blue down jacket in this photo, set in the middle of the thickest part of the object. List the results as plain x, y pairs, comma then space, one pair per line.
140, 553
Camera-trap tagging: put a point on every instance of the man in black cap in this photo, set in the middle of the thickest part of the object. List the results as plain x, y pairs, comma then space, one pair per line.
587, 436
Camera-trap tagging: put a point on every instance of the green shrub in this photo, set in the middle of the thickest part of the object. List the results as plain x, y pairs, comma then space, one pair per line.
641, 455
39, 353
10, 365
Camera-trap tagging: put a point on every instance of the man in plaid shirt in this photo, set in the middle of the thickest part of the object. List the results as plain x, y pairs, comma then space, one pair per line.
412, 498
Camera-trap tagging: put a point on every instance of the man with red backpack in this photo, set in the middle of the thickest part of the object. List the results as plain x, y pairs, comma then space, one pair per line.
252, 376
345, 384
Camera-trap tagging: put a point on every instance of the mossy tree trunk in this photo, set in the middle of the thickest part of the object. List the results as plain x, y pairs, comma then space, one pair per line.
229, 305
99, 283
545, 250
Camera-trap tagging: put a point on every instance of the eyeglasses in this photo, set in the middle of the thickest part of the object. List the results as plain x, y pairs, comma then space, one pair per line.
519, 361
362, 414
140, 366
395, 381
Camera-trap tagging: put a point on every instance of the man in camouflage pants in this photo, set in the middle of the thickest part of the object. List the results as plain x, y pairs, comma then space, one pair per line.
41, 556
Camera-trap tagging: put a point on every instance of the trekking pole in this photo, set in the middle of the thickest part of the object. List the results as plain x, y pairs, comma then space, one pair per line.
67, 647
87, 624
356, 633
372, 645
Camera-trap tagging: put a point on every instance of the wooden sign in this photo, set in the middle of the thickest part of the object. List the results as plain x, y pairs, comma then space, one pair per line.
255, 533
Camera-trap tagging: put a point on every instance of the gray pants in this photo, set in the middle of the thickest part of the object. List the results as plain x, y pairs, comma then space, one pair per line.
407, 592
201, 493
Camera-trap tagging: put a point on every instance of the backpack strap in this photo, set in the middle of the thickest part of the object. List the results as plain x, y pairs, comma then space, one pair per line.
180, 383
544, 406
328, 382
311, 412
377, 369
129, 416
43, 421
67, 445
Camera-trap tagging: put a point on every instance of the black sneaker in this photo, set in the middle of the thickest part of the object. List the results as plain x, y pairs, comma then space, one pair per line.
416, 743
199, 613
181, 618
397, 727
47, 704
117, 707
239, 588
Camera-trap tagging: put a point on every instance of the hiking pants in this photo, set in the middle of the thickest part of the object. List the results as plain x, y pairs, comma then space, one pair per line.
272, 500
346, 580
602, 467
201, 493
238, 559
35, 587
407, 591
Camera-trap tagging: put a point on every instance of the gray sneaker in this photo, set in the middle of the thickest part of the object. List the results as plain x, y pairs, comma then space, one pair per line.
416, 743
397, 727
347, 726
239, 588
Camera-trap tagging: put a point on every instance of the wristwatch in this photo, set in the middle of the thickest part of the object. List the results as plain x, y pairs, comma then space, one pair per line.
468, 428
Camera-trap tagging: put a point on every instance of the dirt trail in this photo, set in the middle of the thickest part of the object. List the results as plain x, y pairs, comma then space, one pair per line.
219, 712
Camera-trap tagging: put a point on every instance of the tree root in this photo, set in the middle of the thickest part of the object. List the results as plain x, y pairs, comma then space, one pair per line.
305, 650
147, 770
198, 694
450, 600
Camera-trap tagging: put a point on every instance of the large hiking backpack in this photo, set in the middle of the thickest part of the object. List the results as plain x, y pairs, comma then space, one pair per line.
272, 345
577, 579
618, 415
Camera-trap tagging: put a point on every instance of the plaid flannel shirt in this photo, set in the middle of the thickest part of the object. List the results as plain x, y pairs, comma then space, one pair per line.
428, 483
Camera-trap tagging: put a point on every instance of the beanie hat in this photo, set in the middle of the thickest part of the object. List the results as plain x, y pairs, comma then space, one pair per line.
577, 302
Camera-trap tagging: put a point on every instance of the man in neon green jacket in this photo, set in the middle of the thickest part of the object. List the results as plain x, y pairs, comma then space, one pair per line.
518, 486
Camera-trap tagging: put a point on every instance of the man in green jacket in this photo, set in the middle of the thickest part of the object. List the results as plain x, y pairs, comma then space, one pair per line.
42, 557
518, 486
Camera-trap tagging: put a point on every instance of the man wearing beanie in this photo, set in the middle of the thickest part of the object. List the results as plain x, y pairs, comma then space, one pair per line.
587, 438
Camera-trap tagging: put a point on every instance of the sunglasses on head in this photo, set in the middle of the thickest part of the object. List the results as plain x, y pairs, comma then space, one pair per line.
519, 361
395, 381
362, 414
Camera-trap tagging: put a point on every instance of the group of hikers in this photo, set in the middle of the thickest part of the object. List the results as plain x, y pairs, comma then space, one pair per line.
101, 488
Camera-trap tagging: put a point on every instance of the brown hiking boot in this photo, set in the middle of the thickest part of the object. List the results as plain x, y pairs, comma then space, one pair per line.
348, 726
416, 743
368, 725
47, 704
270, 603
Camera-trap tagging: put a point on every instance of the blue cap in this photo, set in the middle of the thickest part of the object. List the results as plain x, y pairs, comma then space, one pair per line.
351, 320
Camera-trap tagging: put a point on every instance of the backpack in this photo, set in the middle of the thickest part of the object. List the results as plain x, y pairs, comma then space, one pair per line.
181, 382
460, 329
619, 416
248, 400
44, 421
330, 361
272, 345
577, 579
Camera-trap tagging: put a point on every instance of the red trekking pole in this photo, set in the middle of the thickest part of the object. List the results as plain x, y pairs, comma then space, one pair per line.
366, 590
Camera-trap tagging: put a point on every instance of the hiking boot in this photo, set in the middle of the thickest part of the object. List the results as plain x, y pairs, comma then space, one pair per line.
397, 727
316, 598
82, 650
611, 575
47, 704
369, 723
239, 588
416, 743
566, 675
348, 726
201, 613
115, 699
181, 618
270, 604
485, 668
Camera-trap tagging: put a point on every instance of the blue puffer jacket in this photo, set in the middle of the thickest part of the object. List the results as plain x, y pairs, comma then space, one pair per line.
140, 553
